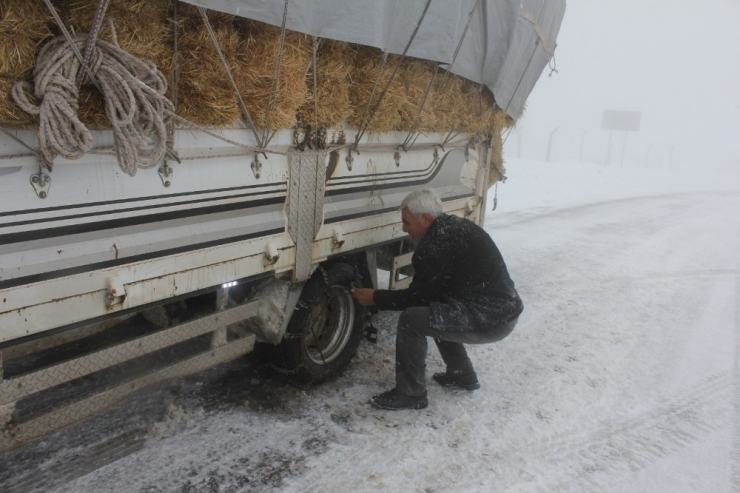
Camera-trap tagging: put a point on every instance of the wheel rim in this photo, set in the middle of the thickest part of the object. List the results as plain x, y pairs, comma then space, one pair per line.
329, 325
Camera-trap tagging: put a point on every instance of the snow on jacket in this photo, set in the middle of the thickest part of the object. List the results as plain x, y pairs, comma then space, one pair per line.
460, 274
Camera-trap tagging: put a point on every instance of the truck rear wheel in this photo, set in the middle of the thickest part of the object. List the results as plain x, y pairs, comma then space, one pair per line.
326, 327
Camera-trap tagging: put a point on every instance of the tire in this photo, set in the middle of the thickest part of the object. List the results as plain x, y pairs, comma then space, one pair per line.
326, 327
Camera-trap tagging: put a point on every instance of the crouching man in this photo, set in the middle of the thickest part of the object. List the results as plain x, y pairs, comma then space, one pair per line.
461, 293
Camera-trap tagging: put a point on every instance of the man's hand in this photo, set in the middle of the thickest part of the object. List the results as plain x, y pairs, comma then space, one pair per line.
364, 296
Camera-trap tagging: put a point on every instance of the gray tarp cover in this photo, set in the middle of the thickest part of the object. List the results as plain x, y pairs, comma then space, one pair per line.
506, 47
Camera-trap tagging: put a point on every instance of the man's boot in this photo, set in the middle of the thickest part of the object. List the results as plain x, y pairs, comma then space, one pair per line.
393, 400
455, 356
457, 378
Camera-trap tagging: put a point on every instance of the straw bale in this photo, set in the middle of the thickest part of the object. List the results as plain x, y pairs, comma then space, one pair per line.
92, 108
475, 110
23, 28
368, 62
478, 113
498, 119
346, 77
205, 95
415, 76
335, 62
10, 114
141, 28
255, 69
499, 122
496, 173
446, 105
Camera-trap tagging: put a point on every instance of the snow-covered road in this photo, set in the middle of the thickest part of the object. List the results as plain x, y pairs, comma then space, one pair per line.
621, 375
627, 348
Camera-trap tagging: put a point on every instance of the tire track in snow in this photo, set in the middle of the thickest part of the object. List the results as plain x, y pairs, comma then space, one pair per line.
591, 459
64, 471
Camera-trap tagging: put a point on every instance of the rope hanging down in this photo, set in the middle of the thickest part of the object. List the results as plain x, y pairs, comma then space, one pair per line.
135, 103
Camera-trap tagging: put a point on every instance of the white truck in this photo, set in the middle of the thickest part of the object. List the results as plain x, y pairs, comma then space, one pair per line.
272, 237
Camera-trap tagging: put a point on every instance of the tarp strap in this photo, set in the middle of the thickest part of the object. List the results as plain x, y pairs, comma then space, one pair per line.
409, 142
72, 44
12, 136
174, 77
410, 139
316, 43
375, 87
365, 123
92, 38
266, 136
457, 50
212, 35
545, 42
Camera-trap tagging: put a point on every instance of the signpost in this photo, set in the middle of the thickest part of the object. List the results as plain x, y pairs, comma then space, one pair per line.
627, 121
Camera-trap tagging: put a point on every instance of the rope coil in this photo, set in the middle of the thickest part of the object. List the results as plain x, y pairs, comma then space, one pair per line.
135, 103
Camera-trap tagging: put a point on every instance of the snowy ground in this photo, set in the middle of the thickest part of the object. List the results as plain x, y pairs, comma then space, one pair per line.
621, 375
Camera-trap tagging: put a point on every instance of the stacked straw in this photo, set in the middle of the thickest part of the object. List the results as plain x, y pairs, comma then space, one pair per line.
205, 95
335, 62
416, 111
255, 69
140, 28
24, 26
346, 74
368, 69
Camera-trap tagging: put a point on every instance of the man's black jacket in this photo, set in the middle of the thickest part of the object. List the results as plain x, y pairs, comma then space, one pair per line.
460, 274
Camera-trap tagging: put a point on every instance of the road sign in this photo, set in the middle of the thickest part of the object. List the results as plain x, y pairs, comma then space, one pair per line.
621, 120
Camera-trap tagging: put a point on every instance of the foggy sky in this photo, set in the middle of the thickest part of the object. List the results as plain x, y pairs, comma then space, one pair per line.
677, 62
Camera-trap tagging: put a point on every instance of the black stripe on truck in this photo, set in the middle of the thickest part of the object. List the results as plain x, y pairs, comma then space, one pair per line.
141, 199
129, 260
131, 221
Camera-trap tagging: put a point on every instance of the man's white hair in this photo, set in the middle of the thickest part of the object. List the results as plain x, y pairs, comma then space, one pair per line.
423, 201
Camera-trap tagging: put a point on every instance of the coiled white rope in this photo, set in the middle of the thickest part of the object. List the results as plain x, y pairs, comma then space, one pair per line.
135, 103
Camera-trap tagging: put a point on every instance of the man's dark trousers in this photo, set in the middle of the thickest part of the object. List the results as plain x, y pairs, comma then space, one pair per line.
411, 347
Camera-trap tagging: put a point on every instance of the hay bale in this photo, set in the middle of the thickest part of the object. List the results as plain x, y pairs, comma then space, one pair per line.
335, 61
24, 26
415, 76
346, 73
474, 110
368, 62
11, 115
497, 169
141, 26
254, 71
92, 108
445, 105
205, 95
499, 122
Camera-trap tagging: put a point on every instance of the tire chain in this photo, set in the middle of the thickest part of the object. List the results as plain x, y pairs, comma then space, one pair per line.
324, 275
285, 371
303, 306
